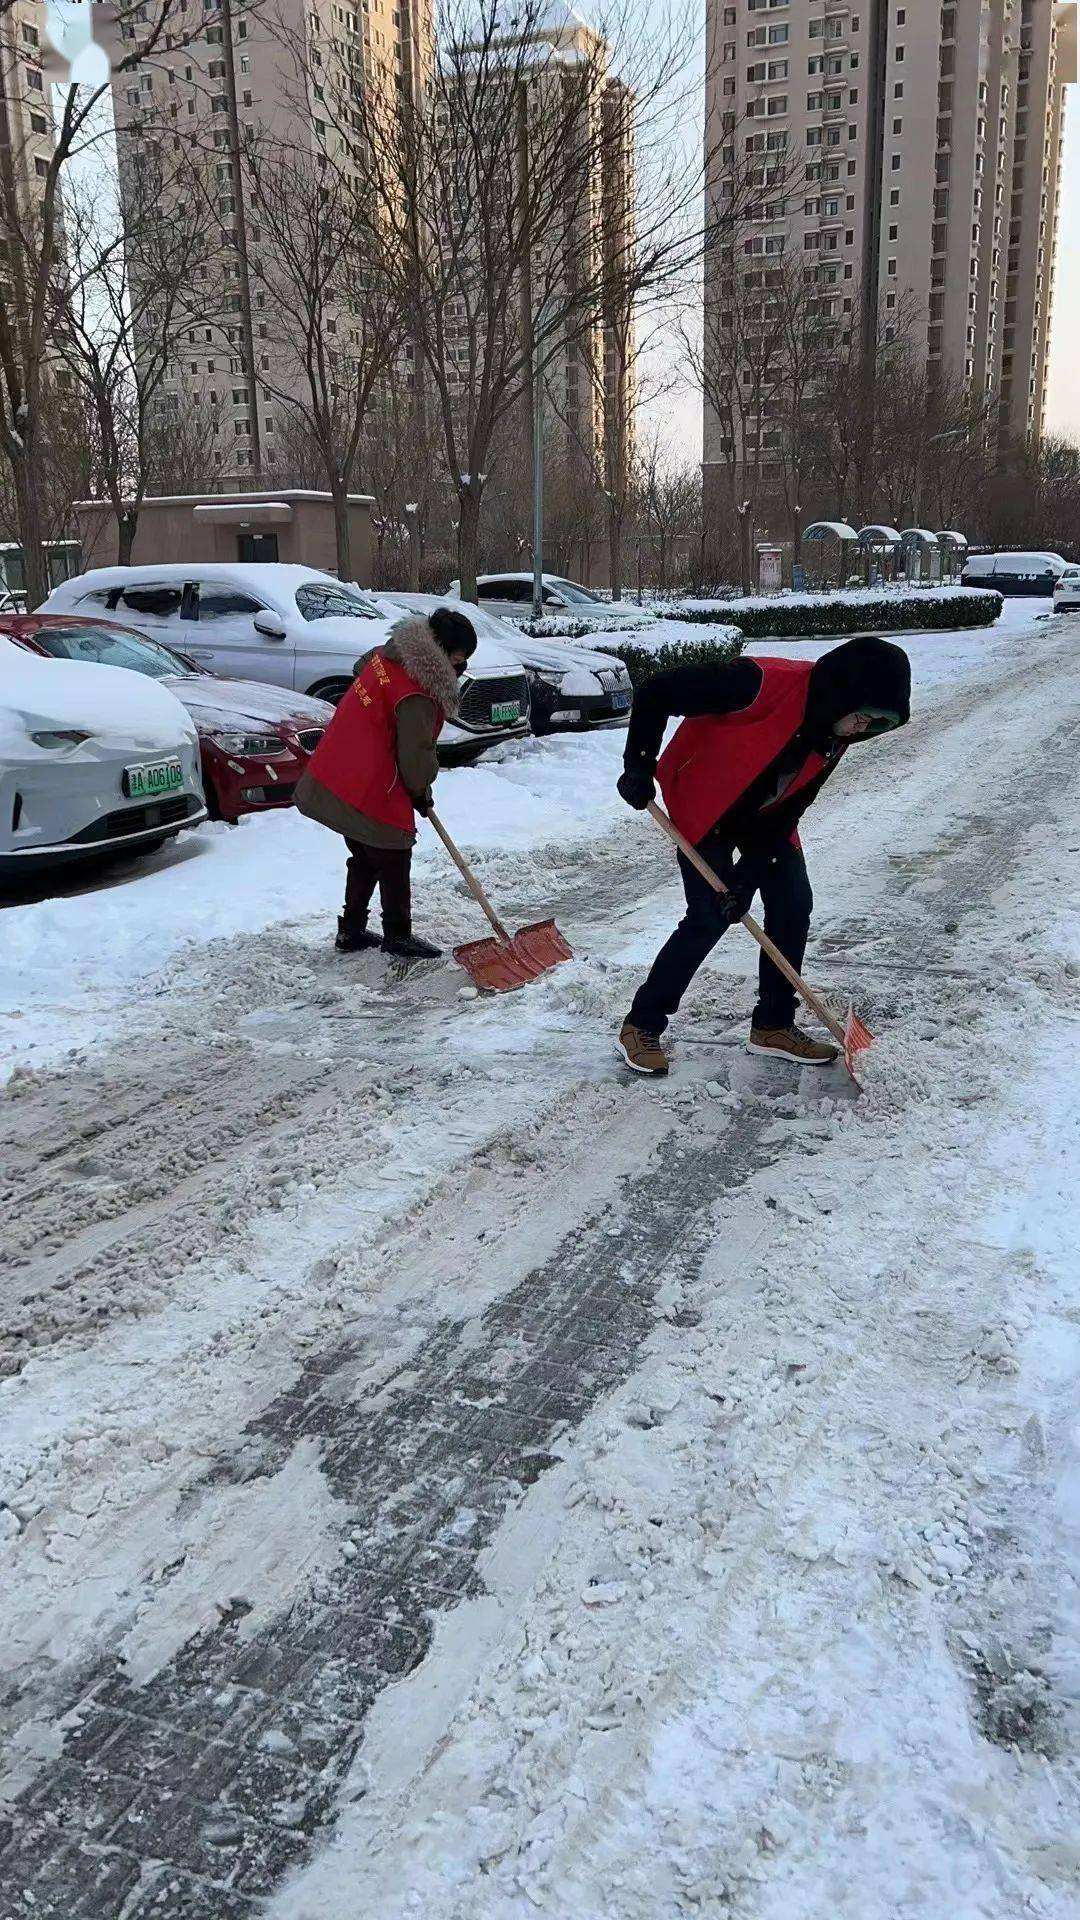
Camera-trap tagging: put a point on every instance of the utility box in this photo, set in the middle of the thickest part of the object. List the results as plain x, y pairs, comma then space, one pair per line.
289, 524
770, 568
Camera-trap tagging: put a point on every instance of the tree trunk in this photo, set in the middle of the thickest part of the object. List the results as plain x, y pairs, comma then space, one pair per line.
745, 574
414, 553
126, 528
342, 540
468, 541
614, 550
30, 530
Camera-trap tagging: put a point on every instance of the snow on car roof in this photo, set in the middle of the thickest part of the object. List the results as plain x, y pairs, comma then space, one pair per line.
272, 574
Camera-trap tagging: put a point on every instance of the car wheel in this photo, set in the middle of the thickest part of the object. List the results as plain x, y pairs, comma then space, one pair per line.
331, 690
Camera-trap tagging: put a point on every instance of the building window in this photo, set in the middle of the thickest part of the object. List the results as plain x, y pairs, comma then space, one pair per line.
899, 53
39, 123
894, 233
895, 163
41, 168
898, 126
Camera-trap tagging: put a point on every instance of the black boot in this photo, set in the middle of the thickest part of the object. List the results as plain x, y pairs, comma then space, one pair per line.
353, 942
406, 946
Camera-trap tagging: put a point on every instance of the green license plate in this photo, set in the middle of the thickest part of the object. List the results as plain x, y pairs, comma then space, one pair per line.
149, 783
507, 710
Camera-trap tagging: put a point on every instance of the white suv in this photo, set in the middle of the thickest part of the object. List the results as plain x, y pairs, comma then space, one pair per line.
292, 626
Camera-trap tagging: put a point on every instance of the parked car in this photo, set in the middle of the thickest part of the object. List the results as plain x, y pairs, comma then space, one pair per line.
93, 761
510, 597
1014, 573
255, 740
1067, 591
289, 626
571, 686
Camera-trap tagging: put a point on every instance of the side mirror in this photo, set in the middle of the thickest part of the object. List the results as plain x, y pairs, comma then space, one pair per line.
554, 600
270, 625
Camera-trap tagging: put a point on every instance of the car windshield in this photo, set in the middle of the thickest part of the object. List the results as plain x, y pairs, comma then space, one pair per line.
576, 596
110, 647
333, 602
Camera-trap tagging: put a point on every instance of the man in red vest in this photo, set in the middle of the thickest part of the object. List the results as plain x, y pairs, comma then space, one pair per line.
373, 770
759, 740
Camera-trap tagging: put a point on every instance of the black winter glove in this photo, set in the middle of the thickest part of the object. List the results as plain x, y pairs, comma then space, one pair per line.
637, 786
424, 803
741, 888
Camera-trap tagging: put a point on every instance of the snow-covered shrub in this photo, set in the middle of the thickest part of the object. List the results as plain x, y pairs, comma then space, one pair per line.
644, 661
796, 616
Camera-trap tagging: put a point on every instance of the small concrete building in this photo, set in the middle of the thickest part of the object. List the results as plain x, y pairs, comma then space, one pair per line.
287, 524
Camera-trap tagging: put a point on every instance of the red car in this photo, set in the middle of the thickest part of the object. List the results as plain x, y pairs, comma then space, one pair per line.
256, 740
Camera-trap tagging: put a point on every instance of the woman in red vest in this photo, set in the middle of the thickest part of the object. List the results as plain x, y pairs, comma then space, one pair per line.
758, 743
373, 769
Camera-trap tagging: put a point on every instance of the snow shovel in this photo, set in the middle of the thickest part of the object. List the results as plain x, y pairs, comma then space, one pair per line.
852, 1036
510, 960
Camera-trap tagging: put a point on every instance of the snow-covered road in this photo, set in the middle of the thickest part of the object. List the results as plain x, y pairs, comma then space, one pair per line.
440, 1478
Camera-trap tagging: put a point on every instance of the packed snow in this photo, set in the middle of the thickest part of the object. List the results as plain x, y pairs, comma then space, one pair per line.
785, 1624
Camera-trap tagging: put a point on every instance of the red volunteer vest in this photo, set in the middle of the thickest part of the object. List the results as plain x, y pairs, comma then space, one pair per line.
356, 759
712, 759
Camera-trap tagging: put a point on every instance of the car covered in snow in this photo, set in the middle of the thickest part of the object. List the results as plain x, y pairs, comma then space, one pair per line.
93, 761
255, 740
510, 597
1014, 574
1067, 591
571, 686
288, 626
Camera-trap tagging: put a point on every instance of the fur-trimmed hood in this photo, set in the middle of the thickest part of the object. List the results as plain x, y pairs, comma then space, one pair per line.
413, 645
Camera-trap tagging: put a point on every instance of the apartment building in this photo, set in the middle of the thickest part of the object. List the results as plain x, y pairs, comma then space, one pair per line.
243, 77
920, 145
26, 124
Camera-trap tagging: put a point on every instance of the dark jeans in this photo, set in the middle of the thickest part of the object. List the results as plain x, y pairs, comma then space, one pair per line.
388, 869
782, 881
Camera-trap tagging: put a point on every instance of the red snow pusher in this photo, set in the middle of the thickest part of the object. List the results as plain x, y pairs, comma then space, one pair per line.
510, 960
853, 1035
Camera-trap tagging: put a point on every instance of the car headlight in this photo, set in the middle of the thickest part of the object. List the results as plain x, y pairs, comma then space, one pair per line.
61, 737
551, 677
249, 744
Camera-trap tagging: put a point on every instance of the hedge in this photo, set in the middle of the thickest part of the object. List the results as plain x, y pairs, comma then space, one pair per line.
808, 618
643, 662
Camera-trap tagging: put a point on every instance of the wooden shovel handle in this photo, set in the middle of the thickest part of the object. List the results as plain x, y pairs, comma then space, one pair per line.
812, 999
468, 876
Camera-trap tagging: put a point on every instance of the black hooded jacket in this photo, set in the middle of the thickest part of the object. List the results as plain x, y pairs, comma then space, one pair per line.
866, 672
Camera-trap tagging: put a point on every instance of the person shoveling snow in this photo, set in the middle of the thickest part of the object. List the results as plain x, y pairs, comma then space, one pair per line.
374, 768
758, 741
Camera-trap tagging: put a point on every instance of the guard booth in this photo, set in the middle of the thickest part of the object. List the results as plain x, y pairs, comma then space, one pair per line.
294, 525
921, 551
821, 536
954, 552
878, 547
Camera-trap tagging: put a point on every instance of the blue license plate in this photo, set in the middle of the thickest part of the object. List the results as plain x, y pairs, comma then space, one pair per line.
620, 701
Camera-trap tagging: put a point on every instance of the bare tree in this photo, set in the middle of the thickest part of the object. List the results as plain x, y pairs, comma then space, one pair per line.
32, 229
485, 187
336, 325
121, 315
669, 492
739, 363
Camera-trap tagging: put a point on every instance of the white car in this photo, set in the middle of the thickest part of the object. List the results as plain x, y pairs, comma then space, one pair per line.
93, 760
292, 626
510, 597
571, 686
1067, 591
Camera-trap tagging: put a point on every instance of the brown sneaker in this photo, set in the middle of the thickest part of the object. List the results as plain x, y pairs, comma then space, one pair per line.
642, 1051
787, 1043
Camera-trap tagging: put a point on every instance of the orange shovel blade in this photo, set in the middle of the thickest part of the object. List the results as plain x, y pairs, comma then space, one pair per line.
542, 945
857, 1037
498, 966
